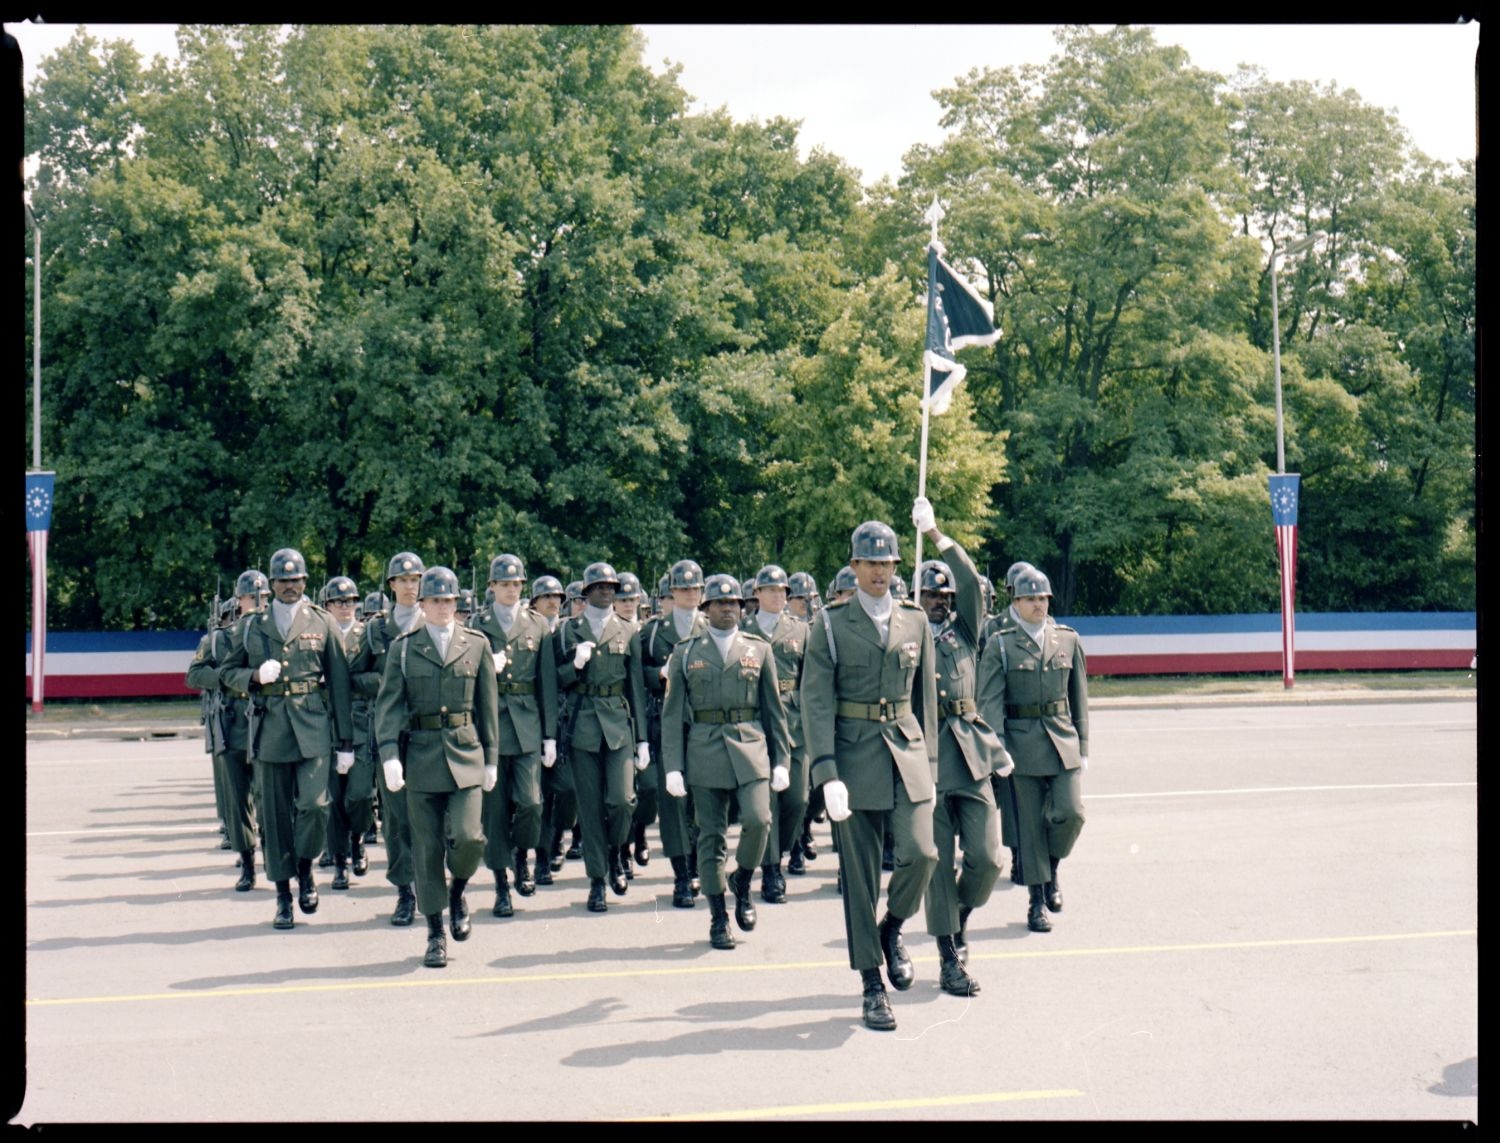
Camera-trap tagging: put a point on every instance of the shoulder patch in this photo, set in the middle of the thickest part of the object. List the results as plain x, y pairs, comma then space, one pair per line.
909, 605
756, 635
838, 603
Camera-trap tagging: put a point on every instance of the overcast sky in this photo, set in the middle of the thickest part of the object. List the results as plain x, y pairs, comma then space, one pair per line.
864, 92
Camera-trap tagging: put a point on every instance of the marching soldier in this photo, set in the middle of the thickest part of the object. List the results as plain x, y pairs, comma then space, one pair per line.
969, 751
225, 726
722, 724
438, 687
520, 643
351, 789
678, 622
598, 664
751, 603
869, 709
375, 603
788, 638
1033, 681
843, 585
575, 603
800, 590
1005, 794
559, 802
628, 600
291, 663
465, 606
403, 578
547, 599
801, 601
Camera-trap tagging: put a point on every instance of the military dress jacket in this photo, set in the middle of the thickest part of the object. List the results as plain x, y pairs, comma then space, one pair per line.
203, 674
867, 704
1038, 696
312, 689
722, 722
448, 704
608, 692
789, 641
359, 702
969, 749
658, 641
528, 685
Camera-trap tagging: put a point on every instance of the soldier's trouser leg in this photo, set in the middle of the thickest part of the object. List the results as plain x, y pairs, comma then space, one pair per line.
432, 817
606, 800
1051, 817
970, 813
711, 813
295, 797
396, 829
513, 810
861, 839
359, 792
239, 798
221, 796
1005, 800
673, 820
647, 793
338, 815
788, 808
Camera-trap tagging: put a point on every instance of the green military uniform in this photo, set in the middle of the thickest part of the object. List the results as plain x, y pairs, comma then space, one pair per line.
528, 716
1038, 692
724, 728
659, 638
969, 750
292, 742
352, 796
788, 640
871, 720
1005, 793
448, 705
227, 740
607, 716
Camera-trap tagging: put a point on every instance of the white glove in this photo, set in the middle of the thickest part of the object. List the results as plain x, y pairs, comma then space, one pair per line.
675, 785
1009, 767
664, 667
269, 672
344, 761
582, 655
549, 752
836, 799
394, 779
1083, 762
491, 776
500, 661
780, 779
922, 515
642, 755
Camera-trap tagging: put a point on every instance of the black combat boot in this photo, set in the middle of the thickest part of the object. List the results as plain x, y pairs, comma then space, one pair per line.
682, 890
718, 925
744, 906
543, 868
503, 906
1016, 876
406, 906
617, 880
1051, 893
597, 903
359, 860
341, 873
771, 890
325, 860
642, 853
897, 963
877, 1015
307, 892
809, 848
954, 979
961, 938
247, 872
575, 849
283, 905
625, 863
525, 885
796, 865
1036, 914
458, 909
437, 944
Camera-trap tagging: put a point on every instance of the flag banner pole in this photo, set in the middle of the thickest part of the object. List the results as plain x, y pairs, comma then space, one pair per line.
916, 571
39, 486
1284, 503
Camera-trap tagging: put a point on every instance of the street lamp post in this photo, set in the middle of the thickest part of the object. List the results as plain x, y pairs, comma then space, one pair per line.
1284, 491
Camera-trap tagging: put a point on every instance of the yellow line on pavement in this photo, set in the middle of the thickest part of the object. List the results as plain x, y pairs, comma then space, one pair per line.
865, 1105
503, 977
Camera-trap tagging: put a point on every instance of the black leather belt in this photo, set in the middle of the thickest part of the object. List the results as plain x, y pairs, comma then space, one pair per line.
603, 690
1056, 706
295, 687
786, 686
733, 714
440, 721
516, 688
882, 711
959, 707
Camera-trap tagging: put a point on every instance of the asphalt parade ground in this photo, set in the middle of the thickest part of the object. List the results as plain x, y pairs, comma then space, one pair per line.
1271, 915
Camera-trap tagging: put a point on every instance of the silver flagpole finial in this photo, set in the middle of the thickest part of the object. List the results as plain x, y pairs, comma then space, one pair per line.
934, 214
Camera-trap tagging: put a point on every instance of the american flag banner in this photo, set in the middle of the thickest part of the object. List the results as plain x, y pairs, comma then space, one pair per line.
38, 521
1284, 515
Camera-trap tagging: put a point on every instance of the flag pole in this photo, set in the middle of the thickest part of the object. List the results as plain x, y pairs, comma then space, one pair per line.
916, 571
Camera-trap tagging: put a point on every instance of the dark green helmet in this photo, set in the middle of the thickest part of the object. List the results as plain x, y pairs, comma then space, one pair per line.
937, 576
438, 583
685, 573
873, 540
844, 581
1031, 582
664, 586
465, 601
722, 587
505, 568
1014, 570
404, 563
375, 603
340, 587
546, 585
800, 585
597, 573
575, 591
288, 563
630, 586
251, 582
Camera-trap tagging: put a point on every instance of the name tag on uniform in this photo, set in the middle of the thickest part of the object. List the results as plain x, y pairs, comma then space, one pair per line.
698, 665
530, 643
312, 641
618, 648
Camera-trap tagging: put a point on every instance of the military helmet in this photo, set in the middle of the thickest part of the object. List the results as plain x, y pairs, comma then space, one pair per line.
251, 582
505, 568
340, 587
597, 573
1014, 570
685, 573
489, 595
575, 591
630, 586
770, 576
288, 563
438, 583
466, 601
1031, 582
404, 563
747, 589
844, 581
229, 611
899, 590
987, 591
546, 585
873, 540
664, 586
722, 587
937, 576
375, 603
800, 585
